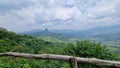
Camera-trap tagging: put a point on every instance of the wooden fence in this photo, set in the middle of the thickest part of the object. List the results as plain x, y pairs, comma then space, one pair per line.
72, 60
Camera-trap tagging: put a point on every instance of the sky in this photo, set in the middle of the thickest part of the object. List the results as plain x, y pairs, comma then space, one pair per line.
25, 15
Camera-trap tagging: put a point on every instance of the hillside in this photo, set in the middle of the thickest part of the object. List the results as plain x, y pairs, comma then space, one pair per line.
12, 42
108, 35
100, 34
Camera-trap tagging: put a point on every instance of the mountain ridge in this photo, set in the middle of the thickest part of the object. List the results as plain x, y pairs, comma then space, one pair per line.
75, 33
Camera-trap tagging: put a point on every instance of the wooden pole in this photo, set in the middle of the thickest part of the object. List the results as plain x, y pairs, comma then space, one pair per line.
92, 61
73, 62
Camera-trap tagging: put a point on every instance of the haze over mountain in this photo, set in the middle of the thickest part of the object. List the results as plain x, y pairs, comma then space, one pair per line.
108, 35
115, 29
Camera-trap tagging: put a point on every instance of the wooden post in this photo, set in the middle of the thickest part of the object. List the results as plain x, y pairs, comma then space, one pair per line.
73, 62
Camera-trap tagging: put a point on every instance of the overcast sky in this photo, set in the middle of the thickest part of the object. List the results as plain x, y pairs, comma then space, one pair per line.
25, 15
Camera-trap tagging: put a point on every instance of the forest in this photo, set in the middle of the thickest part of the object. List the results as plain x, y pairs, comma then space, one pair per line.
23, 43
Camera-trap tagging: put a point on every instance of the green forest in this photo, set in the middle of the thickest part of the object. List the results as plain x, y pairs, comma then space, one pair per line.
12, 42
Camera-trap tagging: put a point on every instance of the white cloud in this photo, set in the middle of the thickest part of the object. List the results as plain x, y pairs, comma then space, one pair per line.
65, 13
58, 14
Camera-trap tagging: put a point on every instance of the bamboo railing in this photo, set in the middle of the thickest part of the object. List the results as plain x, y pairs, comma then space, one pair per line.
72, 60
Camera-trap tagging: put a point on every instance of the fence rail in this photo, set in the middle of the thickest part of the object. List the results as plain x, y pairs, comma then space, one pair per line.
71, 59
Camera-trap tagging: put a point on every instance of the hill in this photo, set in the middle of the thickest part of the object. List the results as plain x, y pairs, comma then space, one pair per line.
12, 42
59, 34
106, 33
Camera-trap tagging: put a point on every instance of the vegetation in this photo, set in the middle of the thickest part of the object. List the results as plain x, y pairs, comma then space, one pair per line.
12, 42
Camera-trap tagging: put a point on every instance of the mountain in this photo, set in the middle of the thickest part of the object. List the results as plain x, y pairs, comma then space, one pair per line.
94, 32
101, 30
108, 35
60, 34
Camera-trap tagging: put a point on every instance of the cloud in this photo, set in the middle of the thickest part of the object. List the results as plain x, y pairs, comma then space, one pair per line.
58, 14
